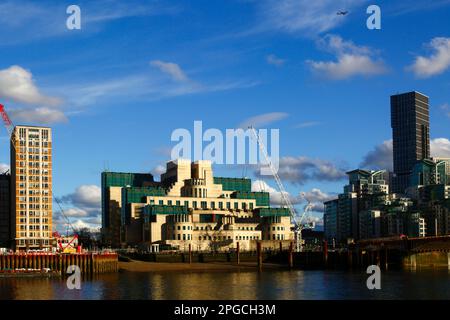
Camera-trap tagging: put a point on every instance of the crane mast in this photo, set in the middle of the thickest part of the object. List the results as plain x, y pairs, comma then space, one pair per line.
8, 124
298, 227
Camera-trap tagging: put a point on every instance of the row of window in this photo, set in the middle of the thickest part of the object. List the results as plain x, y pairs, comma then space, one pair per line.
33, 164
212, 205
44, 144
32, 214
213, 238
33, 242
34, 185
34, 171
23, 192
35, 199
184, 228
33, 220
34, 178
33, 227
185, 237
34, 206
34, 234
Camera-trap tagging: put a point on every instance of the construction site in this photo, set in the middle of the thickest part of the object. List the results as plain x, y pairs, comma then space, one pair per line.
29, 240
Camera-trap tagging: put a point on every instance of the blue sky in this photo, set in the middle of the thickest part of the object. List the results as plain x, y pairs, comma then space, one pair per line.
114, 91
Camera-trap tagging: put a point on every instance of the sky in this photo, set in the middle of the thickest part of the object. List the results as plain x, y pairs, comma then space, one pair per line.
115, 90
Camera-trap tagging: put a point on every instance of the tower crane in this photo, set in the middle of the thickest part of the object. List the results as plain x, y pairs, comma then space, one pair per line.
295, 219
8, 124
67, 248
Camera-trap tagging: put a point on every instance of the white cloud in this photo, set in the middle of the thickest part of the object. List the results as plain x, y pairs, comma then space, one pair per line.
27, 20
440, 147
76, 212
351, 60
379, 158
42, 115
263, 119
276, 198
315, 196
158, 170
17, 84
171, 69
85, 196
82, 224
85, 204
307, 124
303, 16
437, 63
446, 108
274, 60
300, 170
148, 87
4, 167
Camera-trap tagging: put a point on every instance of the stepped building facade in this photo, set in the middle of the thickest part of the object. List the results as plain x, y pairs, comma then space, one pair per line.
189, 206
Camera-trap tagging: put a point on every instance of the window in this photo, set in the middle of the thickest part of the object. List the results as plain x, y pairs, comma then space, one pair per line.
220, 205
169, 202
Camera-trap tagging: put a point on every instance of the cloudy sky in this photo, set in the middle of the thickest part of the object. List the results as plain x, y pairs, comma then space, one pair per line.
114, 91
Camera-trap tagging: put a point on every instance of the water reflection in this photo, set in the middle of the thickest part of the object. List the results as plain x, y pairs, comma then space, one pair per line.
282, 285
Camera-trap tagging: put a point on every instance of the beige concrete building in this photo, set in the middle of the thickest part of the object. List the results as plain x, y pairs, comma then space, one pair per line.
207, 212
31, 187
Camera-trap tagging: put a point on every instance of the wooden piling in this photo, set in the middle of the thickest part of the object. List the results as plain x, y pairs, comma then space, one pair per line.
190, 253
259, 254
325, 253
291, 255
350, 259
237, 253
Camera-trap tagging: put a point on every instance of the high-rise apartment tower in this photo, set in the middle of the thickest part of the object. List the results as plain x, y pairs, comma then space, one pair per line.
31, 187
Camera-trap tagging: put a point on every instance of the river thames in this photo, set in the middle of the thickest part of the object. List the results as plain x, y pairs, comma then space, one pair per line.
277, 285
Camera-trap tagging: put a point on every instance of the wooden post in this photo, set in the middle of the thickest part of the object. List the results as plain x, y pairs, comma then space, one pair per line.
237, 253
378, 257
190, 253
386, 262
350, 258
259, 253
281, 247
291, 255
448, 260
325, 253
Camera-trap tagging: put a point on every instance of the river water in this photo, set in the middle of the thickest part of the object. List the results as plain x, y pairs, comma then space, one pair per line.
285, 285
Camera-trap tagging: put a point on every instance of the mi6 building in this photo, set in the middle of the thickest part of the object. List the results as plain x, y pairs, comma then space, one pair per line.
189, 206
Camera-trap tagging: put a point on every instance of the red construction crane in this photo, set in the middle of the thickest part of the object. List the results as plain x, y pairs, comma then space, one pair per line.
7, 122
